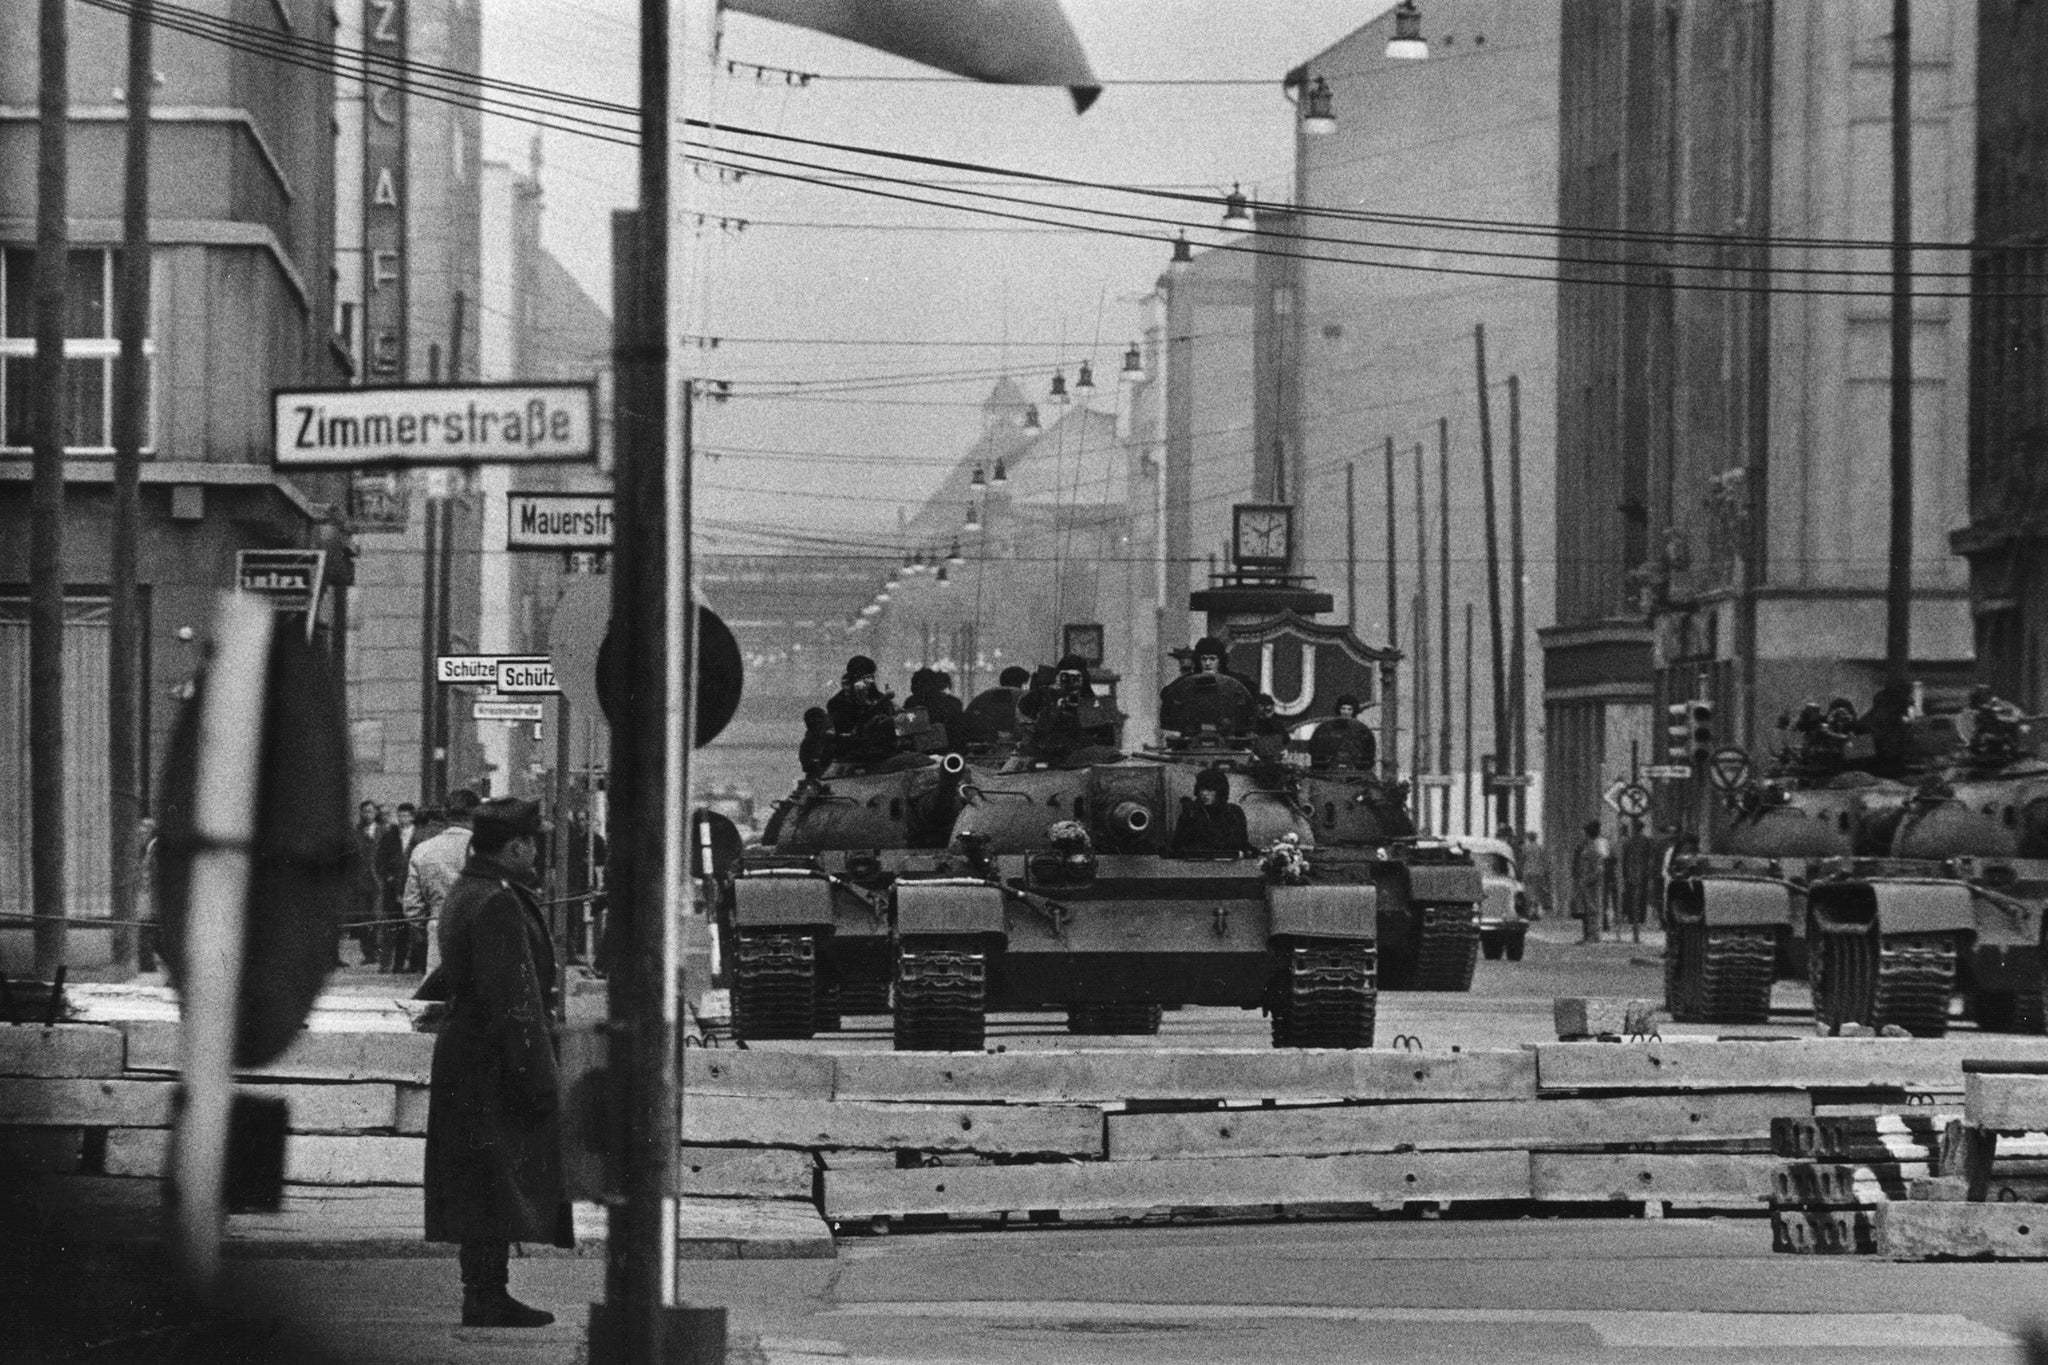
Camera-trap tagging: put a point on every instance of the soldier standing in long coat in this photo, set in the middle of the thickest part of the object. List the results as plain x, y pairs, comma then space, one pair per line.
494, 1172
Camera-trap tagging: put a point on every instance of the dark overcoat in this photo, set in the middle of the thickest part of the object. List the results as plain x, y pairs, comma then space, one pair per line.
494, 1167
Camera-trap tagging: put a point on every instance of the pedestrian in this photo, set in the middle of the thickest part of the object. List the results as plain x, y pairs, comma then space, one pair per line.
1534, 866
394, 850
1592, 883
1639, 869
146, 946
434, 866
366, 901
493, 1167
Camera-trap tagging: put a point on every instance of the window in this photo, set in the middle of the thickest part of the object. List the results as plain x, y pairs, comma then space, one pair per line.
89, 351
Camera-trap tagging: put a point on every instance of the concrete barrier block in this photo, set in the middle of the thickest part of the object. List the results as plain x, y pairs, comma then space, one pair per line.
1066, 1130
1589, 1017
64, 1050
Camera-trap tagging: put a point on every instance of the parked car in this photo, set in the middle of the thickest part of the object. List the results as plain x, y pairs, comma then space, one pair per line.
1504, 907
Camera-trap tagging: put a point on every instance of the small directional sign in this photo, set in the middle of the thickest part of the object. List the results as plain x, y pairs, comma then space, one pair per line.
558, 521
1728, 768
1667, 772
508, 710
480, 670
526, 675
1633, 800
1510, 780
1433, 780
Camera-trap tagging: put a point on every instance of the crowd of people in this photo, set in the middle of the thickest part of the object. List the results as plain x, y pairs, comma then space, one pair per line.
1622, 887
407, 857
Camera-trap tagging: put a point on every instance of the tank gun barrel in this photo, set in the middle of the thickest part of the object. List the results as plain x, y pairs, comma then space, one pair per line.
1130, 817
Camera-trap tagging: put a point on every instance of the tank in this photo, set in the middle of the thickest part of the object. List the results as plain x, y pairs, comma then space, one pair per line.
1737, 918
1084, 907
1428, 892
808, 912
1956, 906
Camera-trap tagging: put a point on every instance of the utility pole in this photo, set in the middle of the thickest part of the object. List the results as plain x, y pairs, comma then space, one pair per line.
124, 635
1499, 679
1425, 802
1392, 719
46, 500
444, 573
1470, 765
430, 513
1443, 555
1898, 599
1351, 543
1518, 675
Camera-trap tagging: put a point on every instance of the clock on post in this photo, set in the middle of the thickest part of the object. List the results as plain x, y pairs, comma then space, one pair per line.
1262, 535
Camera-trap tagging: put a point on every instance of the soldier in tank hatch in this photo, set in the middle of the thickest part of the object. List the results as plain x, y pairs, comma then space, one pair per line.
863, 715
1211, 824
1344, 741
991, 718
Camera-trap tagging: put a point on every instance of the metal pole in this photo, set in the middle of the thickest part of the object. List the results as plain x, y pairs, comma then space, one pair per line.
46, 501
1470, 765
1392, 719
1443, 608
429, 522
1425, 802
1351, 543
1499, 676
1518, 673
131, 398
444, 595
1898, 600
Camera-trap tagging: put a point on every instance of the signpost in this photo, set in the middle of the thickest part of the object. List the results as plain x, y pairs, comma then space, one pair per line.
517, 711
1633, 801
558, 521
1668, 772
434, 424
1498, 780
1433, 780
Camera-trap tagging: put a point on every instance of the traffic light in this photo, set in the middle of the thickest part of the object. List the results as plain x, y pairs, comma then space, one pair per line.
1702, 731
1679, 750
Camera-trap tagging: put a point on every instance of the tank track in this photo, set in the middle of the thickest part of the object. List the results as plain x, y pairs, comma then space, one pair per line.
1447, 948
774, 986
2021, 1011
863, 996
1325, 996
1903, 979
1719, 976
941, 1000
1122, 1018
825, 1018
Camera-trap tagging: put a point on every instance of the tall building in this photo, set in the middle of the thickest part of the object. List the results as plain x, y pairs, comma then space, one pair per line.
1367, 336
242, 220
2008, 486
1722, 420
407, 251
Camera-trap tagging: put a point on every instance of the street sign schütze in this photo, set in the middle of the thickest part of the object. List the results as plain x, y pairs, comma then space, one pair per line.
526, 675
507, 710
558, 521
477, 670
1728, 768
1633, 801
434, 424
289, 578
1667, 772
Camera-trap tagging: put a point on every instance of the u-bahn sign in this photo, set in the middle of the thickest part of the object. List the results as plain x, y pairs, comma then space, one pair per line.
1305, 666
558, 521
434, 424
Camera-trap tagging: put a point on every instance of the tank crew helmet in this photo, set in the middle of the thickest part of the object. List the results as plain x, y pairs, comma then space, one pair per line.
1209, 647
1842, 706
1264, 701
858, 667
1016, 675
1347, 706
923, 682
1071, 672
1213, 780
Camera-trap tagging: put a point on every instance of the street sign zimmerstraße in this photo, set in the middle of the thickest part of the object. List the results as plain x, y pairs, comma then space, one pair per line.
435, 424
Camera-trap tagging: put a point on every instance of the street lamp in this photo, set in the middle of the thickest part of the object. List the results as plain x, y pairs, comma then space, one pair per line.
979, 481
953, 556
1407, 44
1237, 213
1183, 254
1031, 423
1134, 365
1317, 119
1059, 385
1084, 382
1002, 476
973, 518
943, 577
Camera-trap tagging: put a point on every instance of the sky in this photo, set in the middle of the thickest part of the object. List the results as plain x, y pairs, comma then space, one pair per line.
822, 284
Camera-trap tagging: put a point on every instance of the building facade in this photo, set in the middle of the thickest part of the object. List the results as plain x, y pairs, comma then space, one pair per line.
1723, 412
242, 218
2006, 540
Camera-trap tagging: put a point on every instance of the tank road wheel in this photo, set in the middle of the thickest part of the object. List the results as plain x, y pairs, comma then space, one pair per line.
863, 996
1122, 1018
1447, 949
1324, 995
941, 1000
774, 986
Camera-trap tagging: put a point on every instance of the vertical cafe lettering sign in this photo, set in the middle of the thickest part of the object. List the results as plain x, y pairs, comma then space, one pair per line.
384, 189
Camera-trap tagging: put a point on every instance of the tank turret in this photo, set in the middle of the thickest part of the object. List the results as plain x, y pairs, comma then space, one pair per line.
907, 808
